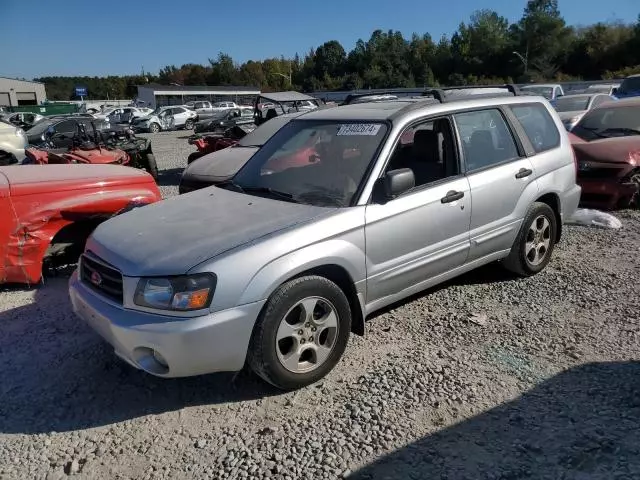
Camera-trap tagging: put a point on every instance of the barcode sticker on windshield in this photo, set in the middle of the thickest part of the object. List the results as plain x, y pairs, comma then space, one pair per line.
359, 129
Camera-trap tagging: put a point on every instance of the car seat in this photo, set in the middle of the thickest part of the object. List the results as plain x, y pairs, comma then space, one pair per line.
426, 161
481, 149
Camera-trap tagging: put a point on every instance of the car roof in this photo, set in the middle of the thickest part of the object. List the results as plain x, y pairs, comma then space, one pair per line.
289, 96
623, 102
585, 95
394, 109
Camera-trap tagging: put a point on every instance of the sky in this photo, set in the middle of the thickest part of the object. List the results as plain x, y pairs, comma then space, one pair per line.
116, 37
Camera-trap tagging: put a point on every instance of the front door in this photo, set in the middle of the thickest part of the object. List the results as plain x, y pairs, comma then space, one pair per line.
423, 233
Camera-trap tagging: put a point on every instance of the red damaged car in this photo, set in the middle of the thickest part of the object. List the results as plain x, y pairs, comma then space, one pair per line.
47, 213
606, 142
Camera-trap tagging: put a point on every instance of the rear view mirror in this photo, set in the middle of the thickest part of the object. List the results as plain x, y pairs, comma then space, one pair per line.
397, 182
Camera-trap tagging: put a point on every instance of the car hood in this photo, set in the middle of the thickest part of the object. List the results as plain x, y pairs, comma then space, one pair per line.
220, 165
609, 150
175, 235
145, 118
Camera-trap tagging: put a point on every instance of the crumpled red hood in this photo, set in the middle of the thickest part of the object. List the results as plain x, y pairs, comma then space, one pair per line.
608, 150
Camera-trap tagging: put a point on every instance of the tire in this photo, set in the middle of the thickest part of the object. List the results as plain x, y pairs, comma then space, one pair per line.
308, 363
154, 128
188, 125
194, 156
538, 230
150, 165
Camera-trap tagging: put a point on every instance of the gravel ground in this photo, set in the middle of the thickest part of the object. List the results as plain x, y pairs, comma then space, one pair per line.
484, 377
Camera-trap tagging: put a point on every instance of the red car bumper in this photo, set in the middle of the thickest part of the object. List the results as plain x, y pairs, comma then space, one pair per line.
606, 194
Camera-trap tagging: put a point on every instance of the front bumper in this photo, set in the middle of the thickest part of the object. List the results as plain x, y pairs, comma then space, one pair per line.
606, 194
216, 342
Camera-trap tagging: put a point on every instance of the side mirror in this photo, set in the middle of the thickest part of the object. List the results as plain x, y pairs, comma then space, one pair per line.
397, 182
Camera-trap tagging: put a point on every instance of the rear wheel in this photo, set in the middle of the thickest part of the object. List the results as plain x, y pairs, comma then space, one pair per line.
154, 128
301, 333
188, 125
635, 199
532, 249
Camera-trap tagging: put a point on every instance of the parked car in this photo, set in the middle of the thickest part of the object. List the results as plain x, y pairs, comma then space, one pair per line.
224, 119
269, 105
46, 213
23, 120
275, 269
607, 147
571, 108
13, 141
549, 91
205, 109
630, 87
125, 114
60, 131
222, 164
165, 118
607, 89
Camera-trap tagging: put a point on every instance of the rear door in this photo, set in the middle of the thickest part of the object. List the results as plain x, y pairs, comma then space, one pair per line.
501, 179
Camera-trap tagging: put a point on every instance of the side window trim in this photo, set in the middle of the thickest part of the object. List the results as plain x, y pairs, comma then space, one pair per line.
513, 132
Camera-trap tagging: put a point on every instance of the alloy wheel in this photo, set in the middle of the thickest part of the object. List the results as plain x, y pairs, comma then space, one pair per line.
307, 334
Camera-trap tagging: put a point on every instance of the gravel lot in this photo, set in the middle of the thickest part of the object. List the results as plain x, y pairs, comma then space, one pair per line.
485, 377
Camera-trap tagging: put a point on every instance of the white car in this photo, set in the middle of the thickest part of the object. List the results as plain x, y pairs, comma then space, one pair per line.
124, 114
165, 118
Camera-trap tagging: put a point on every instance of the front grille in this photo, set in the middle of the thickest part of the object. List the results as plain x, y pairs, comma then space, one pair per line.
101, 278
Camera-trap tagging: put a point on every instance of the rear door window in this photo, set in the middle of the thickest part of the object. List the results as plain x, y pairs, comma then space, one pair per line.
538, 125
486, 139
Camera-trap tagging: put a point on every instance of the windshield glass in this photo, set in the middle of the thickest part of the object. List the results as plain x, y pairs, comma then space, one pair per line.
629, 85
608, 122
314, 162
572, 104
546, 92
264, 132
158, 110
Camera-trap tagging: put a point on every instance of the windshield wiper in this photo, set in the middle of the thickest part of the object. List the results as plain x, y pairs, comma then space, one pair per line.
270, 191
630, 131
230, 183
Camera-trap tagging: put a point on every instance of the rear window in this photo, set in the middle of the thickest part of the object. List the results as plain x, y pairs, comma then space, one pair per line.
538, 125
629, 85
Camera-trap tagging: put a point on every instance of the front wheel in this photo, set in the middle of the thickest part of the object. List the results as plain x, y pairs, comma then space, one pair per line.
154, 128
188, 125
194, 156
532, 249
301, 333
150, 165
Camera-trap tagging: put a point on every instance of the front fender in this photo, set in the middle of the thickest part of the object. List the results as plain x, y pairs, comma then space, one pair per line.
339, 252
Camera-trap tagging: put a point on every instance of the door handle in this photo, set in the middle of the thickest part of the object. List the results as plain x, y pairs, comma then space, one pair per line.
524, 172
452, 196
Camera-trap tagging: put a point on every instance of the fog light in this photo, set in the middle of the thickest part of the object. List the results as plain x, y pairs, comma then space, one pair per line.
160, 359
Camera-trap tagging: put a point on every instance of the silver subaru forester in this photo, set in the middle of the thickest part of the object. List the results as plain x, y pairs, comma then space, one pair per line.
342, 212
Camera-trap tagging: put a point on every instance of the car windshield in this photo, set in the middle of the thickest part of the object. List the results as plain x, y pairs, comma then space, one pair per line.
609, 122
572, 104
158, 110
264, 132
318, 163
546, 92
629, 85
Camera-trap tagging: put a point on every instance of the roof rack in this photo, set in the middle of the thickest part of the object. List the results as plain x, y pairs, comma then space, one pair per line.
399, 93
439, 93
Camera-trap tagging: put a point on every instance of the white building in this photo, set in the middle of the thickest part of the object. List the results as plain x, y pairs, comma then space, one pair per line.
155, 95
14, 93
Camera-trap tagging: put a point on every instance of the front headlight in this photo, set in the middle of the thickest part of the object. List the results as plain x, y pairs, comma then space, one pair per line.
182, 293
